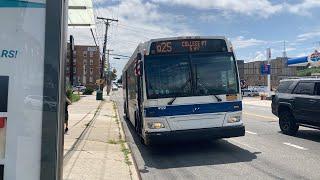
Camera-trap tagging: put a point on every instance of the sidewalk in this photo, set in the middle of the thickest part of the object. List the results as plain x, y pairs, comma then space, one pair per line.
256, 101
94, 146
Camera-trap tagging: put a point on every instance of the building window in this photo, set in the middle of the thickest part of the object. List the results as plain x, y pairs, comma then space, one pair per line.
74, 53
68, 69
74, 70
91, 70
74, 61
91, 62
68, 60
90, 79
91, 53
85, 53
85, 62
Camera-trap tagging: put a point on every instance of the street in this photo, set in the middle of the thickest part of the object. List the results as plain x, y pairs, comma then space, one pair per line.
263, 153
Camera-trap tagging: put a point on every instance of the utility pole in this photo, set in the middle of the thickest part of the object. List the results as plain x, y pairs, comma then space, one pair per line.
107, 22
108, 78
284, 49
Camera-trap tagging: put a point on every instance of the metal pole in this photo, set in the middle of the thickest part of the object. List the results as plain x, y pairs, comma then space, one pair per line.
71, 60
107, 22
269, 74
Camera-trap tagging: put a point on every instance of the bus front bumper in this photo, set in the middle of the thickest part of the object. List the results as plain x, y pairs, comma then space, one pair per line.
195, 134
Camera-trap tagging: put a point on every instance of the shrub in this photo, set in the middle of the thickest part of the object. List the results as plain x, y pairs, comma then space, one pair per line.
88, 91
69, 93
75, 98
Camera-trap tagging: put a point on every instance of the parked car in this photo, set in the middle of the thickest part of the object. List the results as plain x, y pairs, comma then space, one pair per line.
249, 93
80, 88
297, 103
114, 87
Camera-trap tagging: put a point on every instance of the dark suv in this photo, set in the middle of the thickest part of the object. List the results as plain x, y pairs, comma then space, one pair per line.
297, 103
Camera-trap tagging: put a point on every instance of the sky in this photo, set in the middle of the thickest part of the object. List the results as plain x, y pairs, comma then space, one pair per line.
251, 25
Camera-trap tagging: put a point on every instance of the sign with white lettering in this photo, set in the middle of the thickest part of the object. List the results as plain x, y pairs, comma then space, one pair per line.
188, 46
22, 43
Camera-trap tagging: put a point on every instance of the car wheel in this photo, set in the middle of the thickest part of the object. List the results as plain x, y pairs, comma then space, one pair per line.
287, 123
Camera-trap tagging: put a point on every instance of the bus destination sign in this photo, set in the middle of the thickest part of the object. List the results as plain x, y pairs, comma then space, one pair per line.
188, 46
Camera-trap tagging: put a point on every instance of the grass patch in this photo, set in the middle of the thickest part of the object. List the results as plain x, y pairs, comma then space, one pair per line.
74, 97
116, 142
112, 142
126, 153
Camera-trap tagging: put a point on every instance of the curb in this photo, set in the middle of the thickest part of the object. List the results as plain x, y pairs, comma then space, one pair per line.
135, 173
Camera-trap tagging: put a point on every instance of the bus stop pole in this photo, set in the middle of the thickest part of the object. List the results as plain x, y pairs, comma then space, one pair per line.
54, 86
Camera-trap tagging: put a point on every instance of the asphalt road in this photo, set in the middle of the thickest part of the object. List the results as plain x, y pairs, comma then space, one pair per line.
263, 153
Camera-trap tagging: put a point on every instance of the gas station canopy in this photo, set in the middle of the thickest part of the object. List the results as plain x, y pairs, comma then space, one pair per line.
300, 61
312, 60
81, 14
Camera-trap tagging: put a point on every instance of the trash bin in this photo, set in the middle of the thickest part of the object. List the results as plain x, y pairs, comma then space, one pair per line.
99, 95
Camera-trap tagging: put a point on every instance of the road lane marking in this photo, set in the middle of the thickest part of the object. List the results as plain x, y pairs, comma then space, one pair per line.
250, 132
295, 146
243, 144
265, 117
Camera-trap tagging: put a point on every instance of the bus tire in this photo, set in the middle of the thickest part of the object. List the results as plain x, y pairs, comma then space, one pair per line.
144, 141
136, 122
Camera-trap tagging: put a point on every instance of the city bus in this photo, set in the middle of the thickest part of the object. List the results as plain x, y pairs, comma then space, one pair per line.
183, 88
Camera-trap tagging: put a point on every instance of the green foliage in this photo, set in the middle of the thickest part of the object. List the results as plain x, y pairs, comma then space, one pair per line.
88, 91
74, 98
308, 71
69, 92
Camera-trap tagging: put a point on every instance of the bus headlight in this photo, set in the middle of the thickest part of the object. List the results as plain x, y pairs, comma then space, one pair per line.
234, 119
155, 125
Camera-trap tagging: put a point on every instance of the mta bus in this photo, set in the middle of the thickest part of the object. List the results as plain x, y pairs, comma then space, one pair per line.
183, 88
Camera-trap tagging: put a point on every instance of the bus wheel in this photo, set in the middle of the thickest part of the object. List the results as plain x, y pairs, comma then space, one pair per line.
144, 141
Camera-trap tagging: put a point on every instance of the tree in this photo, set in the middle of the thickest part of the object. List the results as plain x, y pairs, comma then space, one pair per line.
309, 71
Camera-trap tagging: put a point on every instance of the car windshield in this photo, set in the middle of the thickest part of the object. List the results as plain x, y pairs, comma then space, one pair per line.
183, 75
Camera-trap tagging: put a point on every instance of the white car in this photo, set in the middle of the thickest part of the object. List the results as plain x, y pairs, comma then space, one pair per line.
114, 87
79, 88
249, 93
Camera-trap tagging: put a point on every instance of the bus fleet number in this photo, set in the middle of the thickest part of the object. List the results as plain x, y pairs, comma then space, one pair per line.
164, 47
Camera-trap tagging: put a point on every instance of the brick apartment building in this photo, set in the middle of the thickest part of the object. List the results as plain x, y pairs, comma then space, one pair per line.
86, 65
251, 72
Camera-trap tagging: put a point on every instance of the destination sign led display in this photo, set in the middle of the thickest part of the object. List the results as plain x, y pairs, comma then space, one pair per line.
188, 46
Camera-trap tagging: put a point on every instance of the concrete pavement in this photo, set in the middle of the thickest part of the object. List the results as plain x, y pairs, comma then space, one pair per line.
94, 146
256, 101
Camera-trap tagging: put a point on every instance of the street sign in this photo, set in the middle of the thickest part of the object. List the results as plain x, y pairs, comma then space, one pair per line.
265, 69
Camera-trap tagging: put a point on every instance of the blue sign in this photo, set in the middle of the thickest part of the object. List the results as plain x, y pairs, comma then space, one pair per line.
265, 69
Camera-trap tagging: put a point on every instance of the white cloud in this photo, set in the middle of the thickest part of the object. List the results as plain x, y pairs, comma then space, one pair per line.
240, 42
303, 7
262, 8
309, 35
139, 21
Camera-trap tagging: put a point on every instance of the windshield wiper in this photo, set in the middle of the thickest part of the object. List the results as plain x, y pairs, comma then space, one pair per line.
219, 99
172, 100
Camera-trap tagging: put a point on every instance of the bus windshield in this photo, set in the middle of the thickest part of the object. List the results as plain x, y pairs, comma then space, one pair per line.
194, 75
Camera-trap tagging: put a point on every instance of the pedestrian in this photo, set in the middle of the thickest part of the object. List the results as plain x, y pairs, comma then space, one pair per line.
66, 119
